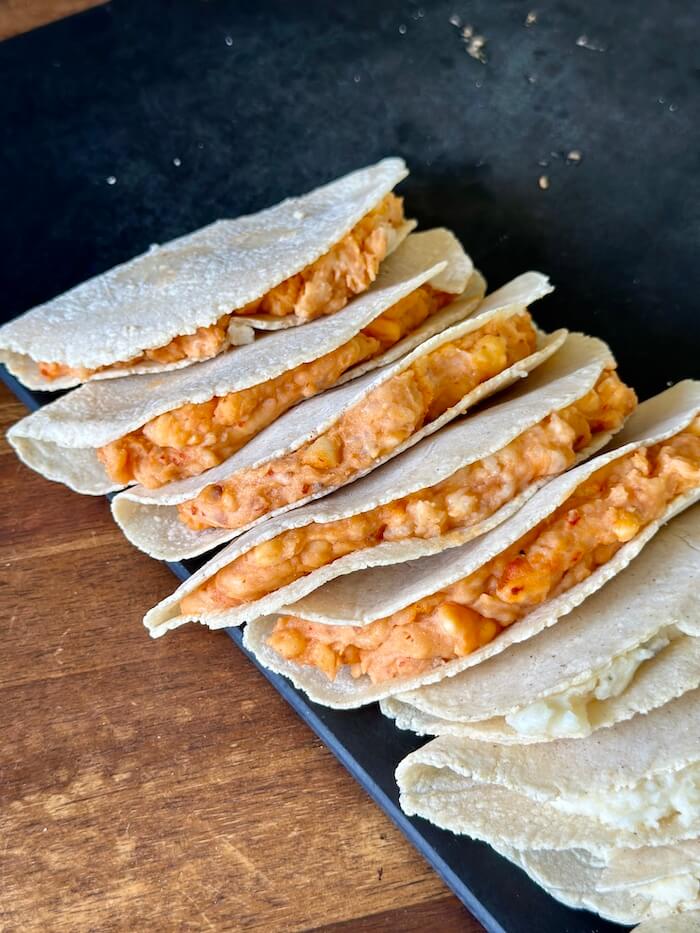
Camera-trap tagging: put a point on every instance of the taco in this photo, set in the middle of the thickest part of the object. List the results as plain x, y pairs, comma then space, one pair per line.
331, 440
387, 630
199, 295
440, 493
656, 884
636, 784
162, 427
632, 646
447, 489
431, 386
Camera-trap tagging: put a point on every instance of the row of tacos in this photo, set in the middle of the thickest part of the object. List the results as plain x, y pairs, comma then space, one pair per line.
423, 499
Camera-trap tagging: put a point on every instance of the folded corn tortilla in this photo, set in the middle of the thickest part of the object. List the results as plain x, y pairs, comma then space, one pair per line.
167, 614
566, 377
648, 884
360, 598
633, 785
189, 283
630, 648
60, 440
559, 382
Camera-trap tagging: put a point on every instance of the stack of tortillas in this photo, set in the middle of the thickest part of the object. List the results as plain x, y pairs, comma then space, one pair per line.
419, 498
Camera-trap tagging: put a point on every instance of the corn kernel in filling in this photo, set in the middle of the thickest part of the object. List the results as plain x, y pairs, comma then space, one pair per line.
193, 438
605, 511
465, 498
369, 430
323, 287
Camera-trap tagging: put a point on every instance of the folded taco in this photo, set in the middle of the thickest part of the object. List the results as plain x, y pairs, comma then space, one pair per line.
387, 630
445, 490
334, 439
625, 885
406, 403
633, 785
197, 296
162, 427
632, 646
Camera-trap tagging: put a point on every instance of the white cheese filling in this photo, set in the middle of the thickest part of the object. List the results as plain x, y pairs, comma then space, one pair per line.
566, 713
660, 797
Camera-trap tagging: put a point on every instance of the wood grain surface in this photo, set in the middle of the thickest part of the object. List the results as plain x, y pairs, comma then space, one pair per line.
163, 785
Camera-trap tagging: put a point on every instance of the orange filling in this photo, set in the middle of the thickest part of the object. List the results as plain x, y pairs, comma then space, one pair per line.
462, 500
604, 512
204, 343
189, 440
369, 430
347, 269
323, 287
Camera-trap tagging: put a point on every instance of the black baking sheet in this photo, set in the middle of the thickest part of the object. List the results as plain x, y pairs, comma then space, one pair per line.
137, 122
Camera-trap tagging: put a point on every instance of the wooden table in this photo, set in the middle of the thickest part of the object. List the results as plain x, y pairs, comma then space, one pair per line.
162, 785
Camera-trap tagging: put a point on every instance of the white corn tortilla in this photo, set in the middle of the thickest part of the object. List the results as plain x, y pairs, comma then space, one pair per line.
656, 591
557, 383
503, 794
366, 595
192, 281
60, 439
579, 880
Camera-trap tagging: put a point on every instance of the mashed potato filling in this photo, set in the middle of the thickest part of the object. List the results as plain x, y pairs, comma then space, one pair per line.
468, 496
603, 513
369, 430
190, 439
674, 795
323, 287
567, 712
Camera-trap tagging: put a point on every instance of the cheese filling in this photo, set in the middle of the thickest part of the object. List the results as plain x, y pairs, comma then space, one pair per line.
567, 712
603, 513
195, 437
674, 795
467, 497
323, 287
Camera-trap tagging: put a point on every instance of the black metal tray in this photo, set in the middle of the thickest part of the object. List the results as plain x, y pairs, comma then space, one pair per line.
137, 122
